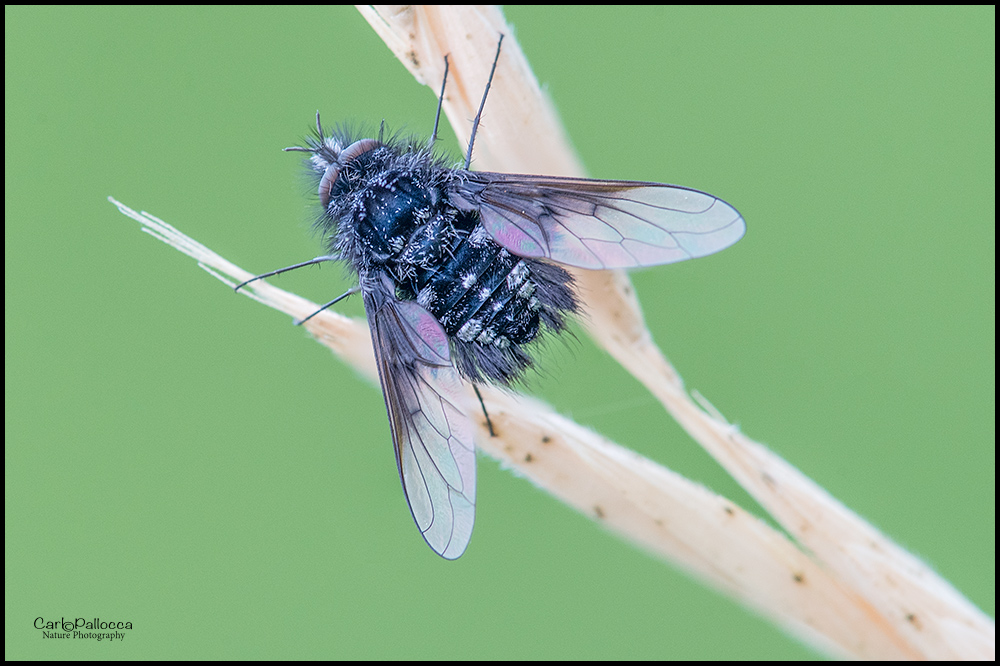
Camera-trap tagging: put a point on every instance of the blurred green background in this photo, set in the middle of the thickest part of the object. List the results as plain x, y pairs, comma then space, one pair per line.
181, 458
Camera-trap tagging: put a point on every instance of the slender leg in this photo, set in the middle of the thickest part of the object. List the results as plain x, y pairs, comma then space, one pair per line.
352, 290
437, 116
317, 260
489, 424
475, 123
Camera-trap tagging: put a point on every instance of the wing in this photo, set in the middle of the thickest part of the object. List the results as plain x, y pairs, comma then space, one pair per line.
433, 438
600, 223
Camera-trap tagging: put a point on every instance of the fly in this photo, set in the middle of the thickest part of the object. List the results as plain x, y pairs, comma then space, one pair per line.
460, 274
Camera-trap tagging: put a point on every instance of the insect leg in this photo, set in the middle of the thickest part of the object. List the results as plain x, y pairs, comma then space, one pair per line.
319, 135
317, 260
475, 123
352, 290
489, 424
437, 117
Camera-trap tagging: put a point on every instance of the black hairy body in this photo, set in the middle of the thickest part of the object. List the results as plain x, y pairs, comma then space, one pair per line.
392, 211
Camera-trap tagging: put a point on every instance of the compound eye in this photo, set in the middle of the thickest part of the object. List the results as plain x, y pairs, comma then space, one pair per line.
353, 151
326, 183
357, 149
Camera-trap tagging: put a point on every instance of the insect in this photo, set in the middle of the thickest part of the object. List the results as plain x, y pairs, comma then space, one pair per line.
459, 272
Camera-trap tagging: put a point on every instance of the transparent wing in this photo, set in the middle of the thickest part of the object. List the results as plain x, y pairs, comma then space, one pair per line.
600, 223
433, 438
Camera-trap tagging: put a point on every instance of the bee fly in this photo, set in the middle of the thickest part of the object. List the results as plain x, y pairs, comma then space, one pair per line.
458, 271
